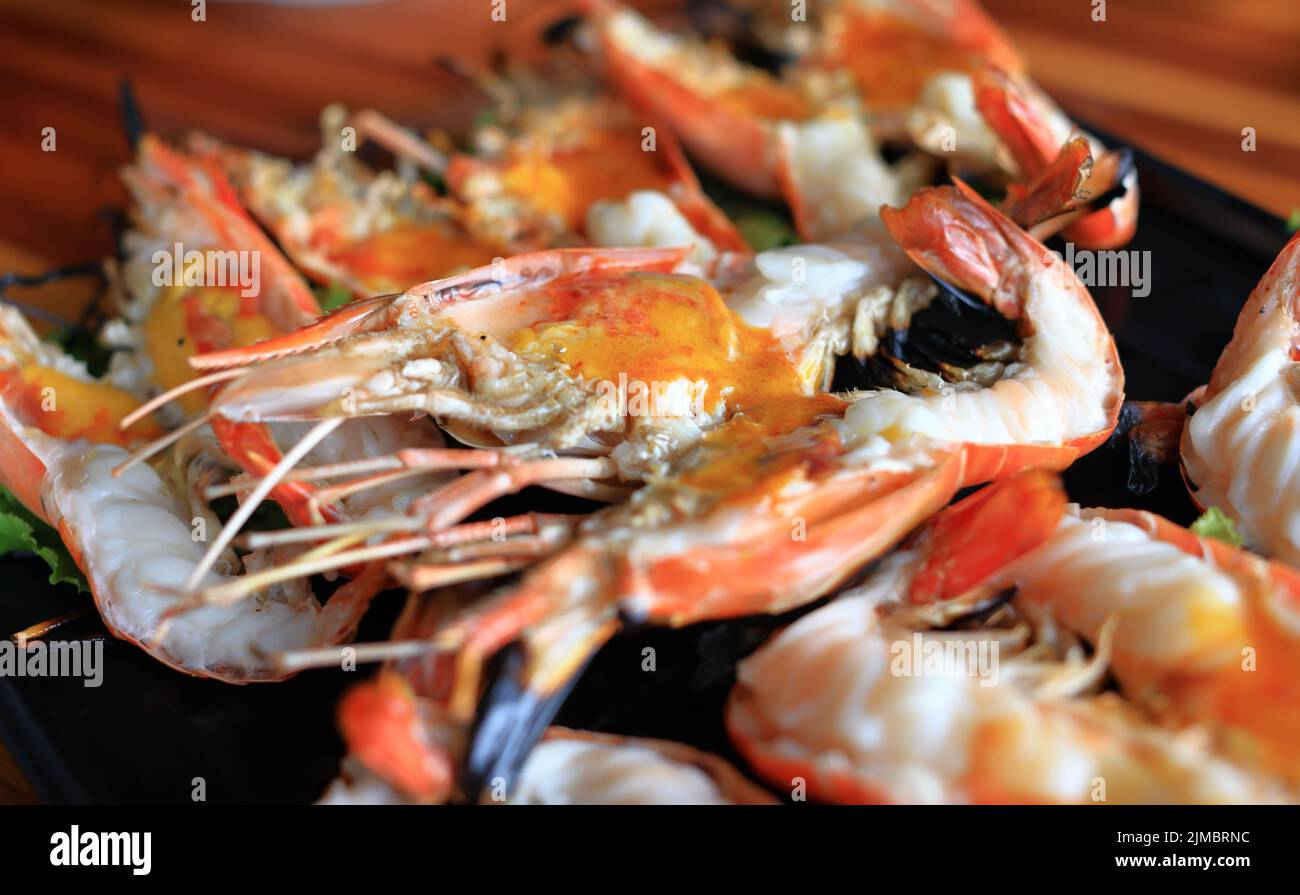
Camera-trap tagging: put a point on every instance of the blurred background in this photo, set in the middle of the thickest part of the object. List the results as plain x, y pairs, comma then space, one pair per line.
1180, 78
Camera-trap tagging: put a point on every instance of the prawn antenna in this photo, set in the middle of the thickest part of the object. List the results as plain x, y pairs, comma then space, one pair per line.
132, 119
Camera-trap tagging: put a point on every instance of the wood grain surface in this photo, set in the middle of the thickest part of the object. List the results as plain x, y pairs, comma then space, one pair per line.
1181, 78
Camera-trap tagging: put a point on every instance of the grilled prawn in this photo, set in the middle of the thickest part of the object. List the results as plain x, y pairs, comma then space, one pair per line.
835, 700
1199, 634
1205, 634
185, 206
558, 363
764, 519
134, 534
821, 708
945, 78
768, 137
341, 222
68, 434
183, 200
1241, 446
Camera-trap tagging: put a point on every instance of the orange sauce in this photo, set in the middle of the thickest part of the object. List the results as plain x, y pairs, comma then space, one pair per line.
890, 58
765, 97
608, 164
397, 259
665, 327
744, 459
186, 321
660, 327
68, 408
1263, 701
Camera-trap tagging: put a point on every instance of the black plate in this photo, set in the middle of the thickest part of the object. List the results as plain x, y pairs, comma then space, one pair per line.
147, 732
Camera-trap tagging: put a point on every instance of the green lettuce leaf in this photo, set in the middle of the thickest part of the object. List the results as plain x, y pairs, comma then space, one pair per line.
22, 532
335, 295
763, 225
82, 345
765, 230
1215, 523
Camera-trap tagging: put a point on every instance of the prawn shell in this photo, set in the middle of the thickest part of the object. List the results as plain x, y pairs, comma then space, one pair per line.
723, 140
1237, 561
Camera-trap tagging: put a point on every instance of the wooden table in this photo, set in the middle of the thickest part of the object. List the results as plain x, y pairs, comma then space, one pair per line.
1181, 79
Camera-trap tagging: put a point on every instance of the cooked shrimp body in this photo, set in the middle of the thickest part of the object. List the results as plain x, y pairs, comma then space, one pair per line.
181, 291
1241, 447
343, 223
201, 276
1204, 633
1198, 634
137, 529
1064, 383
771, 511
949, 79
137, 533
136, 546
766, 136
549, 349
557, 365
835, 707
